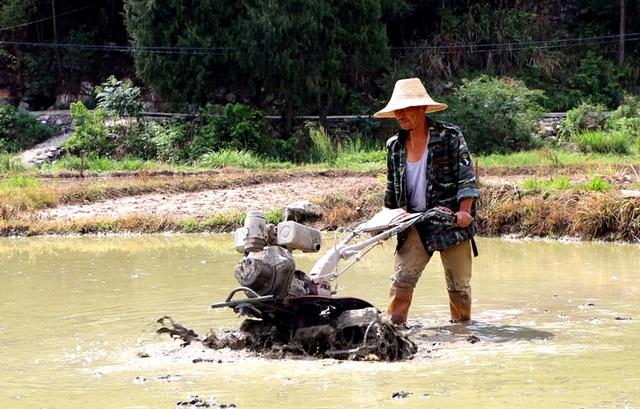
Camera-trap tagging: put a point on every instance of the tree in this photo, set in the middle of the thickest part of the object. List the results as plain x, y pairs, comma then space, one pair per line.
203, 30
309, 52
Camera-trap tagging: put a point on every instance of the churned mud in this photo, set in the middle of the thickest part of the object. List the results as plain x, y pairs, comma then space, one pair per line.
420, 339
375, 340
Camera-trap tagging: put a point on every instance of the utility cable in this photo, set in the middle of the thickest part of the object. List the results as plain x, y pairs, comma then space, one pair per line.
519, 43
513, 46
28, 23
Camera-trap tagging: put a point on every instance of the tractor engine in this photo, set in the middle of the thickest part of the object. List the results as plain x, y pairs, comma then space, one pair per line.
268, 267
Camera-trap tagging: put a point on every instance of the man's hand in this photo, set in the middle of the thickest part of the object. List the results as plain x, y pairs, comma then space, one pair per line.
463, 219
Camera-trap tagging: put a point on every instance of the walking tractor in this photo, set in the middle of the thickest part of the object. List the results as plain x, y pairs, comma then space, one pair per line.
292, 311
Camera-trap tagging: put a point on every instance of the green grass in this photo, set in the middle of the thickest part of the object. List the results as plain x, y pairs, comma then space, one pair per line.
231, 157
18, 182
239, 159
323, 146
596, 183
10, 164
600, 141
362, 160
21, 192
547, 157
555, 183
102, 164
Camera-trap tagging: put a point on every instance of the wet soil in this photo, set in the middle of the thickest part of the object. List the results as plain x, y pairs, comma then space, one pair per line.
426, 341
275, 193
371, 339
268, 195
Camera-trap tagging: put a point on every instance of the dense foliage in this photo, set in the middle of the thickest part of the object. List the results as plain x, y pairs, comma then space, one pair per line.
316, 57
496, 114
491, 60
236, 126
588, 127
19, 129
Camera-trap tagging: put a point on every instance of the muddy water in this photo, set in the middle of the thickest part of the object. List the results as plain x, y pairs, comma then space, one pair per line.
558, 326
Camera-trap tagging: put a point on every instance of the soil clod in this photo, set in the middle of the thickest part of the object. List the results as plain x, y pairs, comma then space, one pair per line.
401, 394
195, 401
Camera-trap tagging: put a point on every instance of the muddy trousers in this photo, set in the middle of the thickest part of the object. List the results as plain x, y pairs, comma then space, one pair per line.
412, 259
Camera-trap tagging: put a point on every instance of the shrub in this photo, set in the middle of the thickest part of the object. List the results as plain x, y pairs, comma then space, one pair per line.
626, 118
19, 129
600, 141
119, 98
237, 127
138, 141
90, 134
584, 116
496, 114
171, 142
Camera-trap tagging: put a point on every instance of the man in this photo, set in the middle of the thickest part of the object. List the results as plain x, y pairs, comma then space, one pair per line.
428, 165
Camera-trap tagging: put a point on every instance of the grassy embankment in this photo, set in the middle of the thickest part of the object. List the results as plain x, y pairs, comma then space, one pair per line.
547, 206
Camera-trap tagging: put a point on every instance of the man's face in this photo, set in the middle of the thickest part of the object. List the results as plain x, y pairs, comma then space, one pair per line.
408, 118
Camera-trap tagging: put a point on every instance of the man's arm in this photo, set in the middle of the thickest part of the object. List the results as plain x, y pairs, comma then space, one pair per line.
390, 190
467, 184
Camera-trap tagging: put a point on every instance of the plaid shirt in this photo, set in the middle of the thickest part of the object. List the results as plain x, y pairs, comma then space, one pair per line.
450, 178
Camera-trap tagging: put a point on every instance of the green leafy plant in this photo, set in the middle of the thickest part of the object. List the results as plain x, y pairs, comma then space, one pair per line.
496, 114
584, 116
90, 134
119, 98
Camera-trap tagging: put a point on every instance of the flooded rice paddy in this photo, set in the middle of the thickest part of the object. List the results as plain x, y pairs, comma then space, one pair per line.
557, 325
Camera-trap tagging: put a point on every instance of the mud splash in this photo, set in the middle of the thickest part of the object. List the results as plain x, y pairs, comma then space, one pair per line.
379, 340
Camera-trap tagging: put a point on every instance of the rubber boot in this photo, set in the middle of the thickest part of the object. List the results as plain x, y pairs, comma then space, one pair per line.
399, 302
460, 305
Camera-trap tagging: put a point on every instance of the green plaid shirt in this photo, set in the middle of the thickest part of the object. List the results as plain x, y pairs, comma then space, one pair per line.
450, 178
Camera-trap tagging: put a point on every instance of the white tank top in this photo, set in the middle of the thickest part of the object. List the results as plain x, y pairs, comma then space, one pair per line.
416, 173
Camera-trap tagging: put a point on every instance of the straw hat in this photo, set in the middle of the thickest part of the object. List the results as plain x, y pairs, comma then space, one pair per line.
409, 93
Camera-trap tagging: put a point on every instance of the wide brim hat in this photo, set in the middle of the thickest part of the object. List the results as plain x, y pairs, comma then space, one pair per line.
409, 93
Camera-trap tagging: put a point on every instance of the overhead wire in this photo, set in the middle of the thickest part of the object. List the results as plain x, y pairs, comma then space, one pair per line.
519, 43
28, 23
470, 48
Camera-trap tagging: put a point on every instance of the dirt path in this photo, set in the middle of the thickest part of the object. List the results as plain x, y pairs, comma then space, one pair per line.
45, 150
264, 196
